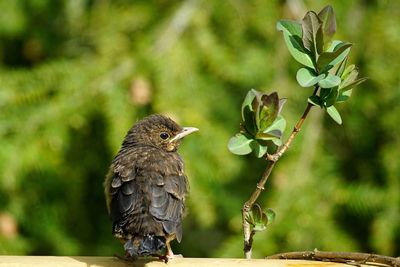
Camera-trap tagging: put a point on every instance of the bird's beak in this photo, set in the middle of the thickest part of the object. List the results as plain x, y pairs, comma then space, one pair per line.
185, 131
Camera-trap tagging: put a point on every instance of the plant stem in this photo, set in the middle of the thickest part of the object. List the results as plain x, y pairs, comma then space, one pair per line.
248, 236
352, 258
272, 159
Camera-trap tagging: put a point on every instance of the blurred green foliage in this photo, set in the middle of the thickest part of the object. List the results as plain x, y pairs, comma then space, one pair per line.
76, 74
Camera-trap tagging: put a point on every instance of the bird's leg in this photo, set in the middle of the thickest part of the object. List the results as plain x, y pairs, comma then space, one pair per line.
169, 253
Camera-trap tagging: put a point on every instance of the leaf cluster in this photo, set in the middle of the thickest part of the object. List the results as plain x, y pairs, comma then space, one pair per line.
324, 60
261, 126
260, 218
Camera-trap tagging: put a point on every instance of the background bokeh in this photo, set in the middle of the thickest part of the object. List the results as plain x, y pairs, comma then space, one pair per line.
76, 74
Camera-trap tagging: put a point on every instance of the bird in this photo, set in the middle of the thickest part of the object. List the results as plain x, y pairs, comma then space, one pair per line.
146, 187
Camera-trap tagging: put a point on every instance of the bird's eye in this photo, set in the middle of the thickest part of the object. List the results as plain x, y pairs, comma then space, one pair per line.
164, 136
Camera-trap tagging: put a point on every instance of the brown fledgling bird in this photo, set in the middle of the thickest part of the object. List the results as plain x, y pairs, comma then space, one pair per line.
146, 187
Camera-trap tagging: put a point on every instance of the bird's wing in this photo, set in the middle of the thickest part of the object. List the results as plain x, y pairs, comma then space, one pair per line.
124, 195
120, 187
167, 203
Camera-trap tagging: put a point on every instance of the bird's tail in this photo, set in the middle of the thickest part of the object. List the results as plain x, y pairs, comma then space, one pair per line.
145, 245
151, 244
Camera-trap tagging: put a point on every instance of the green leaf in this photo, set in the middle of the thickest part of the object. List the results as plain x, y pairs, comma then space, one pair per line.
307, 77
282, 102
269, 110
324, 92
329, 81
259, 226
271, 215
343, 96
274, 132
248, 101
277, 141
258, 149
327, 15
256, 105
341, 67
332, 111
351, 85
292, 34
328, 60
290, 27
248, 115
349, 81
350, 78
329, 96
267, 136
240, 144
348, 70
313, 39
249, 124
277, 128
259, 219
315, 100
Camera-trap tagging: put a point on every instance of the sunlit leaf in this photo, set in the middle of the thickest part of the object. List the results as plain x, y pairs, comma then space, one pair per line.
282, 102
290, 27
343, 96
277, 141
271, 215
349, 81
348, 70
240, 144
278, 127
260, 219
307, 77
292, 34
268, 136
313, 39
247, 102
259, 226
327, 15
341, 67
328, 60
351, 85
329, 81
332, 111
274, 132
259, 149
350, 78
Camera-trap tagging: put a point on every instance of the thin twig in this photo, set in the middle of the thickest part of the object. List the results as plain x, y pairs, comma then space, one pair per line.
296, 129
342, 257
272, 159
247, 233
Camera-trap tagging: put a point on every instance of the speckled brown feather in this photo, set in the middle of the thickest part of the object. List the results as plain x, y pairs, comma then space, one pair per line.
146, 185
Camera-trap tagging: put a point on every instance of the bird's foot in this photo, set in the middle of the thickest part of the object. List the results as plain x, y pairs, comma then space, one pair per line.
170, 257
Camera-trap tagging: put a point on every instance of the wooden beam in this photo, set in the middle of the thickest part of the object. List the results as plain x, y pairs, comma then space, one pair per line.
47, 261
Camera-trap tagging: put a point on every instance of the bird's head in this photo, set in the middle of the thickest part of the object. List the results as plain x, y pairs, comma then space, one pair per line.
158, 131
